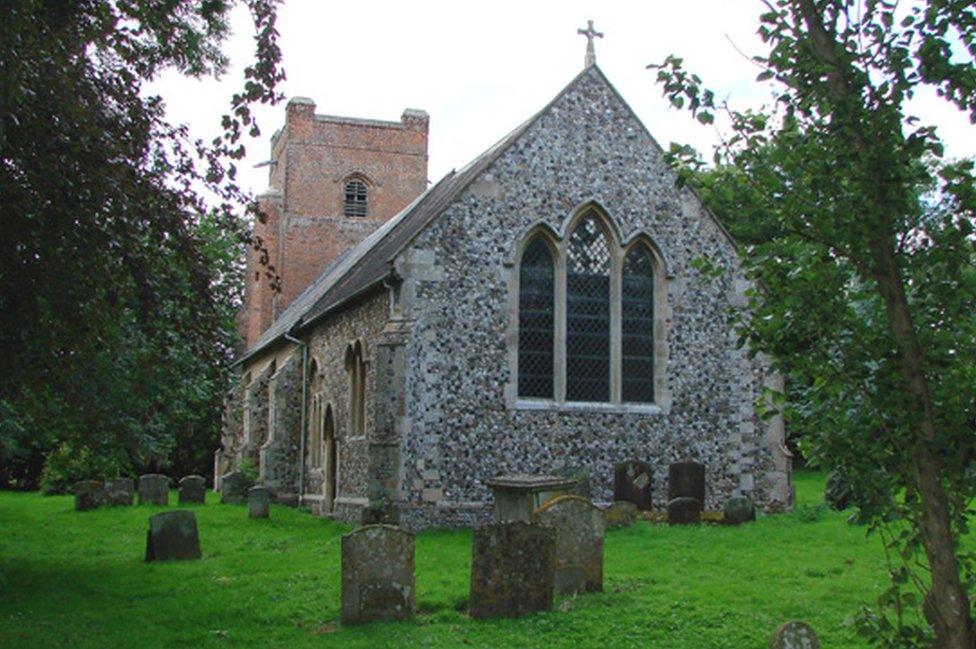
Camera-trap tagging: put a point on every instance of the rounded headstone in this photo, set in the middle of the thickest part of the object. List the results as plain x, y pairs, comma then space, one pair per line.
686, 480
738, 510
173, 535
579, 542
233, 487
89, 494
120, 491
153, 489
684, 511
258, 502
193, 489
377, 574
795, 635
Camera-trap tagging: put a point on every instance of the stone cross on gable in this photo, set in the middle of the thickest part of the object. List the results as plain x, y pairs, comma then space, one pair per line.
590, 34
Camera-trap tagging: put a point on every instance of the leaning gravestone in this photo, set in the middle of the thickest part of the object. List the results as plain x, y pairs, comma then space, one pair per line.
258, 502
153, 489
89, 494
233, 487
684, 511
795, 635
119, 491
377, 574
579, 542
687, 480
621, 513
173, 535
632, 482
513, 567
738, 510
193, 489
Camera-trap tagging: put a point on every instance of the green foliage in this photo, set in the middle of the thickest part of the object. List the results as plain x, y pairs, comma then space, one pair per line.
122, 234
66, 465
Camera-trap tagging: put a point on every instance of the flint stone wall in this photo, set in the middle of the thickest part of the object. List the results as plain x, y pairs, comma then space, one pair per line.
278, 467
255, 422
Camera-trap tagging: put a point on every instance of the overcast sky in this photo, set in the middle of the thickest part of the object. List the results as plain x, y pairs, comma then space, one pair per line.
480, 69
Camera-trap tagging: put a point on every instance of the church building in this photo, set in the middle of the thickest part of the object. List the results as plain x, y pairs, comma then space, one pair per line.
535, 311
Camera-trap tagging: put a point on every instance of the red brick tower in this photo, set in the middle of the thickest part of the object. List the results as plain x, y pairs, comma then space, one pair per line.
333, 181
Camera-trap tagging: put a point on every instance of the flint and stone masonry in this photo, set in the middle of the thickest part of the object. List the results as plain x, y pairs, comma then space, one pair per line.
431, 298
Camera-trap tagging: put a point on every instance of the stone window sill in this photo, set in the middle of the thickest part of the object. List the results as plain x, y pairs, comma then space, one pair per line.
584, 406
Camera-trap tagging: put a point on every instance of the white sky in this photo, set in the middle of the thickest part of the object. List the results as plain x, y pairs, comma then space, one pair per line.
481, 68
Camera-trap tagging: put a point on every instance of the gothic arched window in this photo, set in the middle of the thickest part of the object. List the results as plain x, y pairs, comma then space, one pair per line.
355, 198
588, 313
637, 330
356, 366
536, 322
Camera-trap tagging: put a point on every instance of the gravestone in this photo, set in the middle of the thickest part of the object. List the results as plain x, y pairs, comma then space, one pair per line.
687, 480
684, 511
632, 482
89, 494
513, 567
580, 475
738, 510
173, 535
119, 491
258, 502
795, 635
377, 574
517, 496
621, 513
153, 489
579, 542
233, 487
193, 489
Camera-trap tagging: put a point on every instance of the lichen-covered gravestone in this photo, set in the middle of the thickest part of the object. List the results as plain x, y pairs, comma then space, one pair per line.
89, 494
579, 542
738, 510
233, 487
795, 635
621, 513
513, 566
258, 502
193, 489
684, 511
119, 491
377, 574
687, 480
632, 482
173, 535
153, 489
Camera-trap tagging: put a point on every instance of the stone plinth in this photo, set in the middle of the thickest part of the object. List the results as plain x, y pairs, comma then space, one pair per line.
517, 496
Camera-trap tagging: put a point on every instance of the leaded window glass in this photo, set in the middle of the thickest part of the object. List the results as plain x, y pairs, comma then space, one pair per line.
588, 313
637, 342
536, 305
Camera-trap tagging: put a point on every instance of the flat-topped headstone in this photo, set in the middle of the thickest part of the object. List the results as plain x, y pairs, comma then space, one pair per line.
120, 491
621, 513
738, 510
517, 496
632, 482
795, 635
173, 535
258, 502
233, 487
153, 489
193, 489
377, 574
686, 480
684, 511
513, 567
89, 494
579, 542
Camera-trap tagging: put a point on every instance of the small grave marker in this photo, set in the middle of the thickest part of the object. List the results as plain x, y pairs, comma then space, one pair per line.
684, 511
632, 482
233, 487
513, 567
579, 542
687, 480
193, 489
795, 635
119, 491
258, 502
153, 489
173, 535
89, 494
377, 574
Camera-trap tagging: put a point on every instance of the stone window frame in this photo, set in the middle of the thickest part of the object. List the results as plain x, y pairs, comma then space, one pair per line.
357, 369
620, 246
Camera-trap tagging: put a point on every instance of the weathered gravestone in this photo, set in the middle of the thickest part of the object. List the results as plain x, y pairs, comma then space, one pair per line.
513, 567
621, 513
579, 542
795, 635
738, 510
687, 480
193, 489
153, 489
517, 496
632, 482
580, 475
233, 487
258, 502
377, 574
684, 511
89, 494
173, 535
119, 491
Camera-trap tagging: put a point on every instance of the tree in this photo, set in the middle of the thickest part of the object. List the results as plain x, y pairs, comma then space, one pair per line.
870, 287
113, 316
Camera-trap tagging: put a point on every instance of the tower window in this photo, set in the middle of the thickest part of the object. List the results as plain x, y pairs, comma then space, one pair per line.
355, 203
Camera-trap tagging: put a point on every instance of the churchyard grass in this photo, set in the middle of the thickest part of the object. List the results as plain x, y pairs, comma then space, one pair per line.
78, 580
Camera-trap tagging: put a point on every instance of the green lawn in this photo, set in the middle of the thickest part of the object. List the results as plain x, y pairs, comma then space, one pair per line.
79, 580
